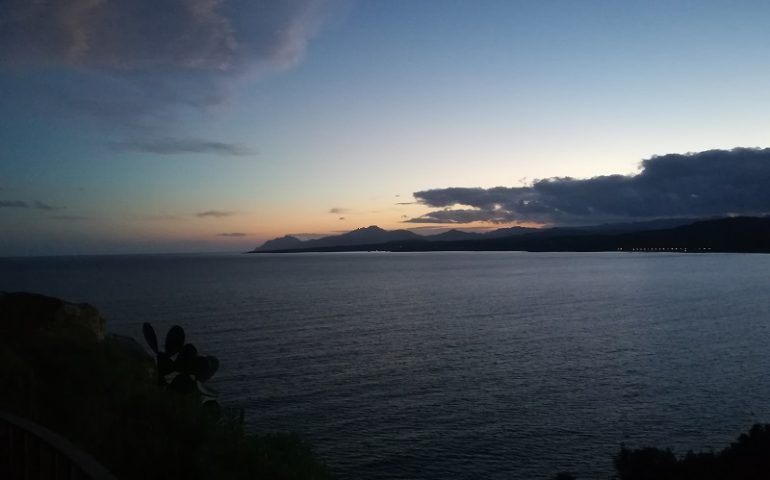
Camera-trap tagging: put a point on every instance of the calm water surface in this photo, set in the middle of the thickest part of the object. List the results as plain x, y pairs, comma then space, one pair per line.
457, 365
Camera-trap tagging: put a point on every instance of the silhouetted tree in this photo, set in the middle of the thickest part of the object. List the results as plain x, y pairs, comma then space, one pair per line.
746, 459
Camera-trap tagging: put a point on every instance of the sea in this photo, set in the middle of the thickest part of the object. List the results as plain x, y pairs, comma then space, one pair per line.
456, 365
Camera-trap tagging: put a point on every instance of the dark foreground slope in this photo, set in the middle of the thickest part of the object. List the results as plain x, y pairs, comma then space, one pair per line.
747, 458
738, 234
61, 369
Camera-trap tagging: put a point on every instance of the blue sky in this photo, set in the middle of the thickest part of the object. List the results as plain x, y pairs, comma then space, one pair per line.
316, 117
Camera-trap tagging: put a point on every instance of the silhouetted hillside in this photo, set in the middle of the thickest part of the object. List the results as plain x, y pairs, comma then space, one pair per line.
454, 235
738, 234
360, 236
511, 231
374, 235
282, 243
628, 227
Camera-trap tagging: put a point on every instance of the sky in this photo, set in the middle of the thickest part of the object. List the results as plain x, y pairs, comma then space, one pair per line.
131, 126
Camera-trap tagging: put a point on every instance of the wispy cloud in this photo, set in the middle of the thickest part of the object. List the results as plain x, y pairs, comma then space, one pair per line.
13, 204
142, 35
123, 60
37, 204
339, 210
71, 218
179, 146
231, 234
44, 206
713, 182
161, 218
214, 214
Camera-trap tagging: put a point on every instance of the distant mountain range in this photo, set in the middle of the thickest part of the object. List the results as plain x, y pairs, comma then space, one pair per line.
361, 236
736, 234
376, 235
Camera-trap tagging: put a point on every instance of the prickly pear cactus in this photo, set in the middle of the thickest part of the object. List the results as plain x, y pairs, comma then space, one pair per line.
180, 367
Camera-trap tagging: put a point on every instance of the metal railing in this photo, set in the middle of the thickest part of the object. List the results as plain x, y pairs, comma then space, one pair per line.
31, 452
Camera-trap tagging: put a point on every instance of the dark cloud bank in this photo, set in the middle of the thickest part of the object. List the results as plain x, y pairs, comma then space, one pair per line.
714, 182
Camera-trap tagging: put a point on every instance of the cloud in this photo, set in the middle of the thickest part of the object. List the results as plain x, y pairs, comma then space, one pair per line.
231, 234
13, 204
44, 206
178, 146
339, 210
70, 218
124, 60
161, 217
22, 204
214, 214
140, 35
713, 182
463, 216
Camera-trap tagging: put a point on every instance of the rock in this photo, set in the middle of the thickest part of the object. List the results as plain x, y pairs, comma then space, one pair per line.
134, 350
23, 313
130, 344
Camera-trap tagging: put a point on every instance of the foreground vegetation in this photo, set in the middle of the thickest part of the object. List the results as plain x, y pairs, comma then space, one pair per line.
103, 395
748, 458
